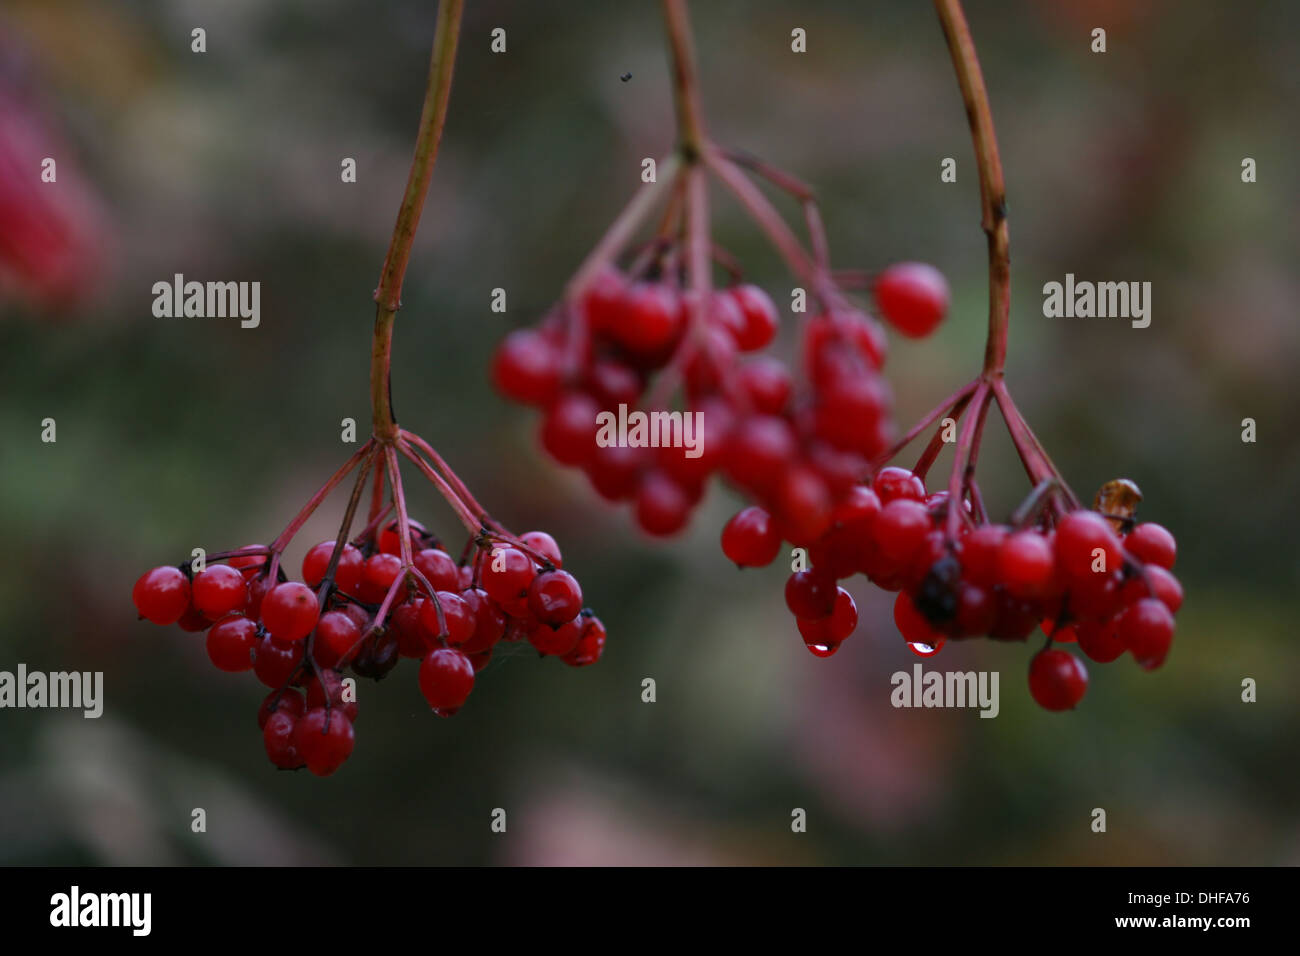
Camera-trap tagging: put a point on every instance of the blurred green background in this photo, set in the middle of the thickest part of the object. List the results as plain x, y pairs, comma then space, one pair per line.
174, 434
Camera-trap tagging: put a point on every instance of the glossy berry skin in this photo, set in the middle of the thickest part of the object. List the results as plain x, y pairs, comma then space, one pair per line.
545, 545
278, 736
290, 702
894, 482
1152, 544
591, 645
289, 612
324, 740
810, 594
438, 569
337, 639
1099, 640
526, 368
760, 317
1057, 679
663, 507
557, 641
652, 318
458, 616
837, 627
347, 576
912, 297
555, 597
750, 540
219, 590
162, 595
1147, 629
377, 576
446, 678
506, 573
901, 528
1086, 544
274, 662
331, 681
230, 644
1026, 564
569, 428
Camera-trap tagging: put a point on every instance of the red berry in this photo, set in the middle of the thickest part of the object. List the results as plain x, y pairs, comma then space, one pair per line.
900, 529
323, 740
230, 643
1099, 640
337, 639
760, 317
894, 482
811, 594
331, 681
559, 640
555, 597
758, 450
278, 735
289, 612
836, 628
1147, 629
390, 538
912, 297
749, 538
569, 428
446, 678
506, 573
603, 300
219, 590
767, 382
1057, 679
803, 505
194, 620
377, 576
652, 318
347, 576
663, 507
916, 630
590, 645
249, 565
458, 615
274, 663
1026, 564
1152, 544
545, 545
438, 569
290, 702
1086, 546
526, 368
162, 595
489, 620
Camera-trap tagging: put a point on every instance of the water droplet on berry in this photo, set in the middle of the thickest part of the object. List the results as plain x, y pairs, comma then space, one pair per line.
925, 650
822, 650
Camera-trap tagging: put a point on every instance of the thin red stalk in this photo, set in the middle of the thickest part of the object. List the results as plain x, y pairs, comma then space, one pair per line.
278, 545
399, 500
961, 455
936, 442
452, 478
458, 506
764, 215
947, 405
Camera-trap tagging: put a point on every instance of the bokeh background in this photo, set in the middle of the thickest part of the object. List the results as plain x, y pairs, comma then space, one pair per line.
181, 433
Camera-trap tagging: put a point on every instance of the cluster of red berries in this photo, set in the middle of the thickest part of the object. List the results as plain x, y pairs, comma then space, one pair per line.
798, 454
1096, 579
350, 611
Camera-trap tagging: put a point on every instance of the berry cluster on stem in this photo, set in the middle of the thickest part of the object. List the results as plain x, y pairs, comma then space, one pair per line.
392, 590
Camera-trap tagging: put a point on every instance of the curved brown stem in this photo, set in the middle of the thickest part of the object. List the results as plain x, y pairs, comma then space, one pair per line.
993, 197
388, 294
